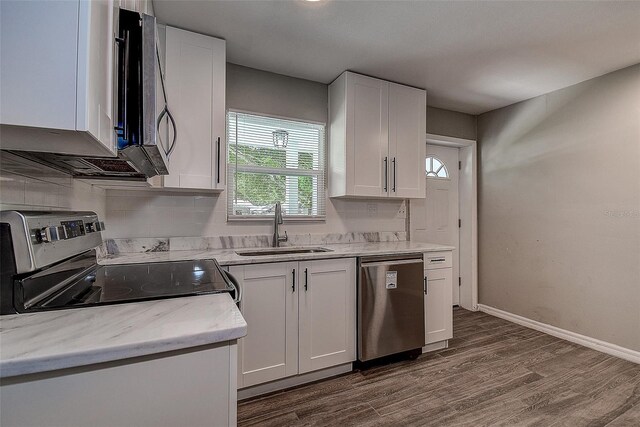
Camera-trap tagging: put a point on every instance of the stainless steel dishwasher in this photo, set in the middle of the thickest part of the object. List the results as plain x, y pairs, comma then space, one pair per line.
390, 305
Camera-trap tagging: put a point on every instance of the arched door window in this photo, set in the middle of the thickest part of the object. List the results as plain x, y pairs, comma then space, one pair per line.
435, 168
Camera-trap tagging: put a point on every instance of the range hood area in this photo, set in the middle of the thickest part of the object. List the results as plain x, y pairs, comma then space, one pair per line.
116, 168
108, 128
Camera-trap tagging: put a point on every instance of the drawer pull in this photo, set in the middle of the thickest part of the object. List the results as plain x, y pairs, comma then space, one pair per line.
437, 260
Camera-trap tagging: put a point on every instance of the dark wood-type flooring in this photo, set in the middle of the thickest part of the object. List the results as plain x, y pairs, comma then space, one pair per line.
493, 373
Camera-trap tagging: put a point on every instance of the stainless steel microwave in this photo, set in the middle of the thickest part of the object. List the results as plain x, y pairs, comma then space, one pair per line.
141, 153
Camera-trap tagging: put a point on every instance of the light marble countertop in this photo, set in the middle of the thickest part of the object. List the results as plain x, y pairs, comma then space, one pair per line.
47, 341
229, 256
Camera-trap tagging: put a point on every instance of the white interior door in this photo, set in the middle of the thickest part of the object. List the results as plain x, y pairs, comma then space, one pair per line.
435, 219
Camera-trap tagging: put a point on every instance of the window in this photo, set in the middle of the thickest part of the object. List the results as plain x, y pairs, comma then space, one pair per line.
435, 168
275, 160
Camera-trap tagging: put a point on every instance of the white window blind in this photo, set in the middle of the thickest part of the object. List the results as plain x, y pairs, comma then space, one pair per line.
274, 160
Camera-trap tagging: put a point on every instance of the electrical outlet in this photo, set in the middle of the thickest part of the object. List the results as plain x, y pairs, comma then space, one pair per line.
372, 209
402, 210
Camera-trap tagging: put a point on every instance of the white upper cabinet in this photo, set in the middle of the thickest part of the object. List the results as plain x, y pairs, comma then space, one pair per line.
359, 109
57, 76
407, 143
195, 83
376, 139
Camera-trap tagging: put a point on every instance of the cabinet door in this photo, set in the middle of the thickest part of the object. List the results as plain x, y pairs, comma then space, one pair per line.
96, 71
70, 87
39, 56
407, 141
327, 304
195, 82
438, 305
367, 136
269, 304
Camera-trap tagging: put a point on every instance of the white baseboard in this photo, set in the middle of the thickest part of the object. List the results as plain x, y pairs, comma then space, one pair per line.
435, 346
602, 346
296, 380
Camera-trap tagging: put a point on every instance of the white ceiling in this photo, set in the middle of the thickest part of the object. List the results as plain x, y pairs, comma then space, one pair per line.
470, 56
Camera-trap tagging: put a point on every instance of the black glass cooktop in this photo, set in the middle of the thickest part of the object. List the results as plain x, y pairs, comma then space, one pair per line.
107, 284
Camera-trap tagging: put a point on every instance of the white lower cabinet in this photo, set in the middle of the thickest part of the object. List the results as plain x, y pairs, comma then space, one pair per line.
301, 317
438, 303
270, 307
195, 387
327, 314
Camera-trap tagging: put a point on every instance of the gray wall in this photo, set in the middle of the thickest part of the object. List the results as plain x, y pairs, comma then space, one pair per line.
259, 91
559, 208
450, 123
263, 92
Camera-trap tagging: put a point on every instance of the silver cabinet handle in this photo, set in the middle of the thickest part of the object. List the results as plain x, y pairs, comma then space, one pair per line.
306, 279
426, 285
394, 175
385, 161
293, 275
436, 260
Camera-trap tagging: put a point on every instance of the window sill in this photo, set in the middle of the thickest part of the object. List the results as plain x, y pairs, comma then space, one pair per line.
286, 219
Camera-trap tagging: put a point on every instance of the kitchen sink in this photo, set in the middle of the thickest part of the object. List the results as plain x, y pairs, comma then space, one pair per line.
282, 251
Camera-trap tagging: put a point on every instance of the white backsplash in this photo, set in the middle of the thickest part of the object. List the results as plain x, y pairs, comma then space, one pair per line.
150, 214
28, 185
164, 244
133, 214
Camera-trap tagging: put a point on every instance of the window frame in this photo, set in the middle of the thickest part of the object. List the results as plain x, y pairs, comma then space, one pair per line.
231, 176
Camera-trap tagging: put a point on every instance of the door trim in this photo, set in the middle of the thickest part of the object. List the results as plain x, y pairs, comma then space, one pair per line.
468, 208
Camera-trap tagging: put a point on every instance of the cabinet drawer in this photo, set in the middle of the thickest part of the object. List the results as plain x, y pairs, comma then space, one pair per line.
433, 260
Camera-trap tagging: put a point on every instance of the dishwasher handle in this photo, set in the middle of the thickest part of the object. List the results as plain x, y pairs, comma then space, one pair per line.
394, 262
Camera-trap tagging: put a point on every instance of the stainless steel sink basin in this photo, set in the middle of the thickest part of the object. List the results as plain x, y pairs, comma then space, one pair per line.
281, 251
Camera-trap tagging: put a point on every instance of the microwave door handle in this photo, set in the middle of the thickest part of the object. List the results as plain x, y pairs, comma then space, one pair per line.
123, 73
166, 112
175, 132
164, 90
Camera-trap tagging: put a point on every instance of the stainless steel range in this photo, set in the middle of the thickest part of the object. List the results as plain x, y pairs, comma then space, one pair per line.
48, 261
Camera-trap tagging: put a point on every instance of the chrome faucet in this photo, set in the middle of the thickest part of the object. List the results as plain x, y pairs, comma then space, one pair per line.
277, 238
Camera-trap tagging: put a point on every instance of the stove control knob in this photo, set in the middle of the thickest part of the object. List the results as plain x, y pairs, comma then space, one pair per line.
52, 234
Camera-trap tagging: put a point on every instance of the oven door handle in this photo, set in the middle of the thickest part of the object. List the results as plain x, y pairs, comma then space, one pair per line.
233, 281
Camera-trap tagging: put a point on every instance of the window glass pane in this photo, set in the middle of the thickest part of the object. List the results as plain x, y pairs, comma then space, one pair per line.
258, 156
435, 168
274, 160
